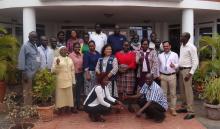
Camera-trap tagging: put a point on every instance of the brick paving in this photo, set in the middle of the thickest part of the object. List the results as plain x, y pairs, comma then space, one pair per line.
124, 120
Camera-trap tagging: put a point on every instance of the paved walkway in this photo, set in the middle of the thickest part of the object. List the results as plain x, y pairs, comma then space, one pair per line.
124, 120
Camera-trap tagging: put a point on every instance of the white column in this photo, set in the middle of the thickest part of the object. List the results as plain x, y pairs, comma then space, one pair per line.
188, 23
157, 29
29, 22
165, 35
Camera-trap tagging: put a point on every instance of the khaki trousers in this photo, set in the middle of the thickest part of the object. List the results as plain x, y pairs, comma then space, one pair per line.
27, 91
186, 89
169, 81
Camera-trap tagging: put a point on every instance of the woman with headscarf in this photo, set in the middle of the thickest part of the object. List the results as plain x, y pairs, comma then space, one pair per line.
63, 67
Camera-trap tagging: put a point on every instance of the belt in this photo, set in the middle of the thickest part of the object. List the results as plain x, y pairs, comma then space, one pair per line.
181, 68
168, 74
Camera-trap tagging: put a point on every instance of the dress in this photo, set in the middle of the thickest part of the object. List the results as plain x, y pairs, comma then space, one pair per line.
65, 79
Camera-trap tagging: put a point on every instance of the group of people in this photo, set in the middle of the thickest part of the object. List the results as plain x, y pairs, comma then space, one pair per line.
108, 71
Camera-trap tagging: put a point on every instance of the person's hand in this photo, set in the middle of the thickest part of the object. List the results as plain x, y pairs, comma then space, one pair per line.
138, 114
118, 107
88, 77
124, 97
187, 77
172, 65
58, 61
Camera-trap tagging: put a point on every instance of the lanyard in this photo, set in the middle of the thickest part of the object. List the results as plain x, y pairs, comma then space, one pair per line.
45, 53
166, 59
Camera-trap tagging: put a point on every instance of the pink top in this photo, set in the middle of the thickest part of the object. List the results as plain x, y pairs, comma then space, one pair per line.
77, 61
70, 43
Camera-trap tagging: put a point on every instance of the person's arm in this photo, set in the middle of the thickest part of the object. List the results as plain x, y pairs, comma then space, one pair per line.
175, 62
194, 58
73, 71
108, 96
21, 58
138, 95
114, 69
138, 114
97, 68
132, 65
100, 97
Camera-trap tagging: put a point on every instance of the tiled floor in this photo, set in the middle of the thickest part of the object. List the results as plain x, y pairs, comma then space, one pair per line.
124, 120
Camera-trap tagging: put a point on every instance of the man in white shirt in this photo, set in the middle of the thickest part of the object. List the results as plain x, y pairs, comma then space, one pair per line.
188, 63
99, 37
168, 63
46, 54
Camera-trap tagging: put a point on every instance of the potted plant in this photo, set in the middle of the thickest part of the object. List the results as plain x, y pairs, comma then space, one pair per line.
8, 59
43, 89
211, 95
21, 116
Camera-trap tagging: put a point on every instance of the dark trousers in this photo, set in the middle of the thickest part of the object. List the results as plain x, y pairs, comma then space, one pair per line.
154, 110
79, 88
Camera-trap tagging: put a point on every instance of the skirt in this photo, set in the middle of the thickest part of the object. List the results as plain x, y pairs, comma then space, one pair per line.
126, 82
88, 85
64, 97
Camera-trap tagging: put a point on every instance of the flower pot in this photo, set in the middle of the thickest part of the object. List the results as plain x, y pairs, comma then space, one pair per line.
45, 113
2, 90
24, 126
213, 111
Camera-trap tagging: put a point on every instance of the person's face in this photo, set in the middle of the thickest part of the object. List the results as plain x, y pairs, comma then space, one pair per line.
77, 48
117, 30
63, 52
44, 41
126, 46
144, 45
53, 42
108, 51
105, 82
98, 29
166, 47
86, 38
92, 47
61, 37
148, 79
153, 37
183, 38
33, 38
136, 39
73, 34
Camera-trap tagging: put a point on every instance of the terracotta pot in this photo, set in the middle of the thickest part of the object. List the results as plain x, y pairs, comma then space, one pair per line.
2, 90
25, 126
45, 113
213, 111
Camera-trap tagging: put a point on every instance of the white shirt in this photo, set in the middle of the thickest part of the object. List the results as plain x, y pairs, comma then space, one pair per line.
165, 59
100, 40
188, 57
101, 94
46, 56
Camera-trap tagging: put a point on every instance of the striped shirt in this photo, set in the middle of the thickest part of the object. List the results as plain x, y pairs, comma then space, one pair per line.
154, 93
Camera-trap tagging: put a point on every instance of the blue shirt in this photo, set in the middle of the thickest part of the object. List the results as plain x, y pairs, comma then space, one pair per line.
154, 93
90, 60
116, 41
29, 59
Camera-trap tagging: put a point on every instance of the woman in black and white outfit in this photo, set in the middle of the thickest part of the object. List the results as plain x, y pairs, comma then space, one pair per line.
99, 100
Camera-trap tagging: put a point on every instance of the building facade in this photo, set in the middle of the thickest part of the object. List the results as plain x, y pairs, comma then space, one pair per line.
168, 18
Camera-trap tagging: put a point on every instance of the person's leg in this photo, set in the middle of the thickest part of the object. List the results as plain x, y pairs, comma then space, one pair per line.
182, 88
164, 84
27, 91
173, 98
156, 111
79, 85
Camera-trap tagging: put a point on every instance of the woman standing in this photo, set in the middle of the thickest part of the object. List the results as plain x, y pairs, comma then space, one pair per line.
126, 76
90, 60
148, 62
73, 39
77, 59
85, 46
108, 64
63, 67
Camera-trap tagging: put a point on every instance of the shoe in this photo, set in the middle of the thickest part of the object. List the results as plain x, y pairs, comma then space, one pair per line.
189, 116
131, 109
173, 112
158, 120
182, 110
73, 110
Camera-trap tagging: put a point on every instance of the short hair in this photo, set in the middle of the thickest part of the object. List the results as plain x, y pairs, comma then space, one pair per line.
166, 42
77, 43
100, 77
103, 49
60, 32
91, 41
143, 40
187, 35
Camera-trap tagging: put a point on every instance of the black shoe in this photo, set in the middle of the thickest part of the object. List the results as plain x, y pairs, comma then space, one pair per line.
189, 116
182, 110
158, 120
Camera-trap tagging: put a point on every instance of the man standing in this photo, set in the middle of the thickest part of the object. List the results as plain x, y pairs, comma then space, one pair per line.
46, 53
28, 63
116, 40
61, 39
53, 46
188, 63
99, 37
168, 62
155, 43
